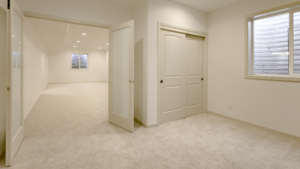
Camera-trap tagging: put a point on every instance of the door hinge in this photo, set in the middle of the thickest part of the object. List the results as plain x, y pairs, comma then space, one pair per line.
8, 4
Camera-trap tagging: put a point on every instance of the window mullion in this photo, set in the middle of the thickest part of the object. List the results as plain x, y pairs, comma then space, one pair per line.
252, 48
291, 44
79, 63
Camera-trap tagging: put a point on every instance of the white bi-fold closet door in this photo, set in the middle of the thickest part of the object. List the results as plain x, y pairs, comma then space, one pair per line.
181, 75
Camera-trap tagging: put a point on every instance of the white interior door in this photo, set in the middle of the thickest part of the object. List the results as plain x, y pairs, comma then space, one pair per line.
194, 56
15, 120
172, 76
121, 76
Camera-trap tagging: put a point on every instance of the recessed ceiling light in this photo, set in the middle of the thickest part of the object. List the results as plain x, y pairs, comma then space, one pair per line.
107, 43
13, 35
83, 33
19, 42
74, 46
99, 48
78, 41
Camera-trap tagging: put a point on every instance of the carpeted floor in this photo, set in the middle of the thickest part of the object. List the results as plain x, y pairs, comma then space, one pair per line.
68, 129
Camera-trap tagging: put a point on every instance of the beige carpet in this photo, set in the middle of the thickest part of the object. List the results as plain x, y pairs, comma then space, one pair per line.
68, 129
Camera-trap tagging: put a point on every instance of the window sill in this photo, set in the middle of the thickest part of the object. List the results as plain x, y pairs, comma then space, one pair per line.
79, 69
286, 78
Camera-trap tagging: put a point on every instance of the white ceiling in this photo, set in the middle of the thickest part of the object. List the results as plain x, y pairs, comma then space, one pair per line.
58, 35
95, 37
202, 5
127, 2
207, 5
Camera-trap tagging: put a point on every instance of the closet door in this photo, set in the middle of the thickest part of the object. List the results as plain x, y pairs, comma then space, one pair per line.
172, 66
14, 116
194, 56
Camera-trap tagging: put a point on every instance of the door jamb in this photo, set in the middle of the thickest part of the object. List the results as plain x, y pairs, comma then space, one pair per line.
169, 27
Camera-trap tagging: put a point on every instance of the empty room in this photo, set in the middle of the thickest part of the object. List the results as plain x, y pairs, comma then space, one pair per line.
150, 84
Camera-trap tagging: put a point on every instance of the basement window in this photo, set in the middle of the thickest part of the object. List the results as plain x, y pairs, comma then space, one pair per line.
79, 61
273, 45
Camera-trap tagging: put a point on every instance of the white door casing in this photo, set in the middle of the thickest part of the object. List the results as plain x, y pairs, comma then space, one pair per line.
121, 76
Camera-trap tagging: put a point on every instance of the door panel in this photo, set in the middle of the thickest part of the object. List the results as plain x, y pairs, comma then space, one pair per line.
173, 84
194, 53
15, 119
192, 98
172, 98
173, 56
120, 88
121, 75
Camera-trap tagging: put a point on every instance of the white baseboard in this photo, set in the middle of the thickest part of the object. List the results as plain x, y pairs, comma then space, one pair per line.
146, 125
257, 125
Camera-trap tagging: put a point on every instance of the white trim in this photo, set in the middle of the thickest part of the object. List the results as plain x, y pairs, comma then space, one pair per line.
179, 29
257, 125
164, 26
59, 19
291, 9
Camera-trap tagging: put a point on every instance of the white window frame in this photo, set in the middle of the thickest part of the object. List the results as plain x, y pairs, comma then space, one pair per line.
80, 69
249, 59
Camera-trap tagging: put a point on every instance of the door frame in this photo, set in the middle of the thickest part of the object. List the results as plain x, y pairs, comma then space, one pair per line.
169, 27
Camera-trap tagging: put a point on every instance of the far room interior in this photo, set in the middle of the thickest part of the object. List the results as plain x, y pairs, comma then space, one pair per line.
70, 67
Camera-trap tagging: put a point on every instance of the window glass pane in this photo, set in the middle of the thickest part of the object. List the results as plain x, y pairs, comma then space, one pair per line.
271, 45
297, 43
75, 61
83, 61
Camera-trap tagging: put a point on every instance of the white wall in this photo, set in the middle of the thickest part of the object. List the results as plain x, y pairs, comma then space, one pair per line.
272, 104
172, 13
2, 79
60, 67
35, 61
140, 13
98, 11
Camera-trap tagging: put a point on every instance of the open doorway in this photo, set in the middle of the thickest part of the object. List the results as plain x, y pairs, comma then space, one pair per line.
63, 79
74, 76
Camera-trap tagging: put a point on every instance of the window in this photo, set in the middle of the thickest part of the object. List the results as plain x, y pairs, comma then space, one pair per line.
79, 61
273, 45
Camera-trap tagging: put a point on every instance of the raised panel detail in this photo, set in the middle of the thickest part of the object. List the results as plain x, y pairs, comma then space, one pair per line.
173, 56
193, 54
173, 98
193, 97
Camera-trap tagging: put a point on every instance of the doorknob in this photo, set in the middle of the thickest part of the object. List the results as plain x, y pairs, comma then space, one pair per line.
161, 81
129, 81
